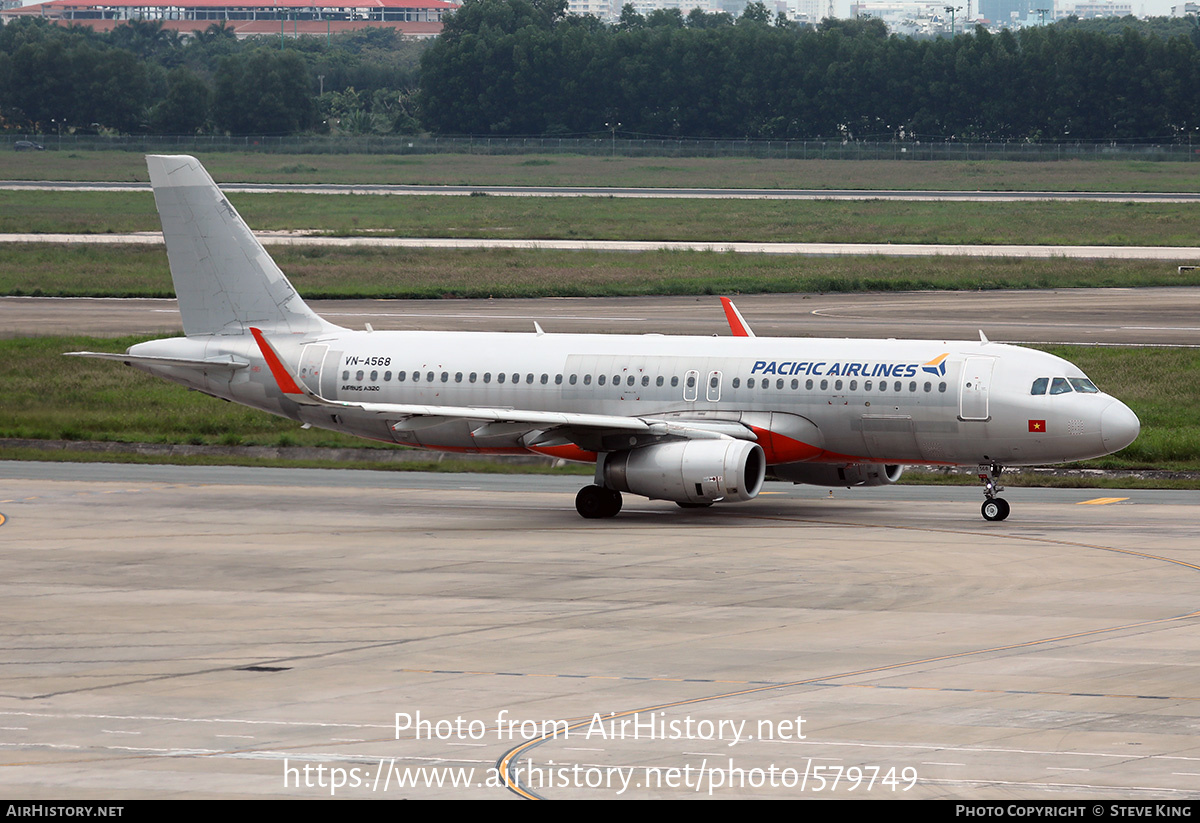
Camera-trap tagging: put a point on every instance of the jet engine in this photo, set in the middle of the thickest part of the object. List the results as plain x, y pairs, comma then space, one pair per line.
853, 474
691, 471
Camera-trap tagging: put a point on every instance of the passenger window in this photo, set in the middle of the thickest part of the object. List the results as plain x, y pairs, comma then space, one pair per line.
472, 377
691, 380
358, 375
1060, 386
346, 374
675, 382
645, 380
516, 378
867, 386
853, 385
808, 384
401, 375
779, 383
630, 380
545, 379
458, 377
445, 376
942, 388
896, 386
824, 385
658, 381
529, 378
487, 377
1039, 385
602, 379
795, 384
558, 379
837, 385
750, 382
374, 375
737, 382
501, 377
587, 380
1082, 384
429, 377
416, 377
573, 379
928, 388
912, 386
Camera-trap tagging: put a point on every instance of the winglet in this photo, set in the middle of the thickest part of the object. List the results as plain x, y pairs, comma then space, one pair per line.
737, 323
279, 371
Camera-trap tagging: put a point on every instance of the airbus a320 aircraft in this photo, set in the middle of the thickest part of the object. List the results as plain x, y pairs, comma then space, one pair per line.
695, 420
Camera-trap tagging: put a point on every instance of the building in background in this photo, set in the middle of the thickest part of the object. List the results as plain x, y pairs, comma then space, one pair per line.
414, 18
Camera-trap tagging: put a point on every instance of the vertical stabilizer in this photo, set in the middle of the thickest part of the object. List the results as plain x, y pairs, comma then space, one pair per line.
224, 279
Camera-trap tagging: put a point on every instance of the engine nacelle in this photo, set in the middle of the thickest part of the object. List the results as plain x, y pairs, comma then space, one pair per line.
853, 474
689, 471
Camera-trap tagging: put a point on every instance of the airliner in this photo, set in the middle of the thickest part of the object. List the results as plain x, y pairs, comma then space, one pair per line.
693, 420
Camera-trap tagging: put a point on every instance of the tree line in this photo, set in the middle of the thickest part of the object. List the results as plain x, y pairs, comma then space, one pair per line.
142, 78
525, 67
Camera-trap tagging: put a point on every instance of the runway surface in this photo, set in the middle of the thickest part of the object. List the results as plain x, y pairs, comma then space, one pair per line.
636, 192
176, 632
1144, 316
1169, 254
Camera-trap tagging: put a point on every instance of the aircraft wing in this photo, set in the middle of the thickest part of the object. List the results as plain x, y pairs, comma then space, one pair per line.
416, 416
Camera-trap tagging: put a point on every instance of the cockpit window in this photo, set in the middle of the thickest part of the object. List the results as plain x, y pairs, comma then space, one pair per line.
1060, 386
1039, 385
1082, 384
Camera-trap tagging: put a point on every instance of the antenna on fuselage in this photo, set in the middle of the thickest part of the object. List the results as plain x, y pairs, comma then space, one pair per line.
983, 337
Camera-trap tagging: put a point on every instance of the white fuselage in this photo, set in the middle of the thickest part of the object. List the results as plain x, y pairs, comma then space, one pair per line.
879, 401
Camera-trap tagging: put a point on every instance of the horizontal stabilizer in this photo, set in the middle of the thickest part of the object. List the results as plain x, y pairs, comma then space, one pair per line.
224, 362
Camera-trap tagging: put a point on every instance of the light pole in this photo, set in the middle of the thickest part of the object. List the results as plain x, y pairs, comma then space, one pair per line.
1042, 14
613, 127
950, 11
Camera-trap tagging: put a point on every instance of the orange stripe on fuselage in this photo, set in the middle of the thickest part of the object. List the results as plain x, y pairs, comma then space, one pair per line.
286, 384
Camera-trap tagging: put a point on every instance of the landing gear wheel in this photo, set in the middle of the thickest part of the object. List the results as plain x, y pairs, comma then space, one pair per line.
995, 509
683, 504
596, 502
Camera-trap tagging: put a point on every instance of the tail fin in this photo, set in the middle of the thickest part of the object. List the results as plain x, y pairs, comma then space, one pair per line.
224, 278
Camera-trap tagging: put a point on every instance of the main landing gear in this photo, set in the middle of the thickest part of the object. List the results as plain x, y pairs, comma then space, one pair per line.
994, 508
595, 502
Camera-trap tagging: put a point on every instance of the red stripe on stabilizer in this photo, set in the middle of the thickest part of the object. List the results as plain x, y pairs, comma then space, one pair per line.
279, 371
567, 451
735, 325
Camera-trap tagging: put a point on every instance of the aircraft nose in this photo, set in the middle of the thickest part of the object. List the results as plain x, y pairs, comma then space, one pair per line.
1119, 426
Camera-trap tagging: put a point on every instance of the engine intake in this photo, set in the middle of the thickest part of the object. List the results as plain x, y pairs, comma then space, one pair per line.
690, 471
852, 474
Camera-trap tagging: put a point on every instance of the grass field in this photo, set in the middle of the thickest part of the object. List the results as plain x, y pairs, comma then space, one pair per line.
560, 170
591, 218
51, 397
45, 269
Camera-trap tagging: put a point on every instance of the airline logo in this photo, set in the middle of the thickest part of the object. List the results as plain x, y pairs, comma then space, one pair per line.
1038, 426
936, 366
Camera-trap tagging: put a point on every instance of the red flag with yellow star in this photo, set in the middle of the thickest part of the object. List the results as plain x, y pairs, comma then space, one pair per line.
1038, 426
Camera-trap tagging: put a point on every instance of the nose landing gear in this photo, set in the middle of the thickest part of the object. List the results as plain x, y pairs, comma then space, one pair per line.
994, 508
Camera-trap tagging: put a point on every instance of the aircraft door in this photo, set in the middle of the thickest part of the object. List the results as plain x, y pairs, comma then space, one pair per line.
714, 387
973, 388
691, 385
311, 360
